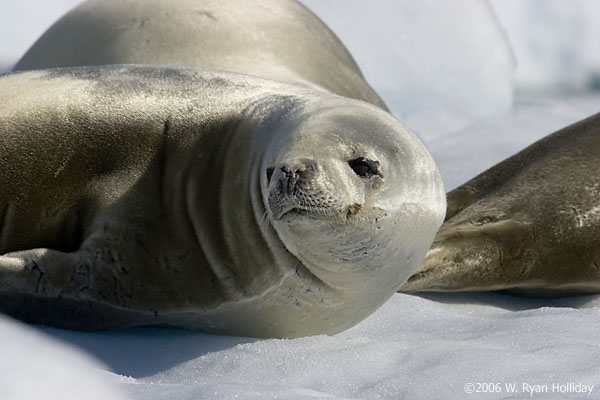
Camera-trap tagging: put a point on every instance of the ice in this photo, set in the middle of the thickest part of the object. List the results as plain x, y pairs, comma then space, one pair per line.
34, 365
414, 347
463, 154
555, 42
22, 22
446, 55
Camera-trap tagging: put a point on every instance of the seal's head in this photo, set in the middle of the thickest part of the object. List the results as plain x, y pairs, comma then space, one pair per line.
353, 194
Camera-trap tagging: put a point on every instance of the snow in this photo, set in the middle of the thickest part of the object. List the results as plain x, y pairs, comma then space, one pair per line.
457, 45
34, 365
415, 347
554, 41
463, 154
22, 22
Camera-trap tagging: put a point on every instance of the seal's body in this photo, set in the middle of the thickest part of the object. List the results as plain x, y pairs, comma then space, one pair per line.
530, 224
274, 39
141, 195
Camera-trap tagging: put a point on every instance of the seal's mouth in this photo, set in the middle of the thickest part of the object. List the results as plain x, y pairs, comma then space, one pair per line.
295, 193
295, 213
298, 213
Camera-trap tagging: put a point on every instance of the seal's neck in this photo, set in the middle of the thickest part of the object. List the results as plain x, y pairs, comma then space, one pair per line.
225, 205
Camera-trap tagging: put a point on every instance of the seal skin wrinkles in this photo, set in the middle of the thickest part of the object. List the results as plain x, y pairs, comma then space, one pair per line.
277, 200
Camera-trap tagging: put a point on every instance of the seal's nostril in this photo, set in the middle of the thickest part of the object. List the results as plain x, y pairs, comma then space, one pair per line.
292, 173
301, 171
270, 174
287, 172
291, 180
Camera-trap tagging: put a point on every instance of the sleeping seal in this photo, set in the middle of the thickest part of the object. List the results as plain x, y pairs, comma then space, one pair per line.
141, 195
530, 224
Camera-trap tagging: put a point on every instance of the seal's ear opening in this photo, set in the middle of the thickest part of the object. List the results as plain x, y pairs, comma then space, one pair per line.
270, 173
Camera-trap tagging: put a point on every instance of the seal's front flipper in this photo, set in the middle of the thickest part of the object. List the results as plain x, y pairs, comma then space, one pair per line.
41, 272
469, 257
46, 286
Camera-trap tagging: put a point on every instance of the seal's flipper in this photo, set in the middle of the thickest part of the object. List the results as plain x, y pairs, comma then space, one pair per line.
41, 272
491, 261
46, 286
459, 199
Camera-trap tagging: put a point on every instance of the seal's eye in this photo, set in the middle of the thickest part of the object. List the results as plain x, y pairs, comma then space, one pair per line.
364, 167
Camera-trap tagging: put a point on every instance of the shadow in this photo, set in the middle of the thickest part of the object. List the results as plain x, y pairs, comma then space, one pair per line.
510, 302
143, 352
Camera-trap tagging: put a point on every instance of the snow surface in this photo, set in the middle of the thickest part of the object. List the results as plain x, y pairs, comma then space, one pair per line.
22, 22
34, 365
445, 41
414, 347
555, 42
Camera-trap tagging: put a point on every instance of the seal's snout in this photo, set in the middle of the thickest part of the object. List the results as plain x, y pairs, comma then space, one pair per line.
289, 174
290, 187
289, 178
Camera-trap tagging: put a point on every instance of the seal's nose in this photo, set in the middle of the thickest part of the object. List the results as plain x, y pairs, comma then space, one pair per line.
292, 173
290, 177
288, 183
288, 174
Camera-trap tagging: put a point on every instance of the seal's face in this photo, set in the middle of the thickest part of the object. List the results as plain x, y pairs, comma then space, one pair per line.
340, 186
327, 170
308, 189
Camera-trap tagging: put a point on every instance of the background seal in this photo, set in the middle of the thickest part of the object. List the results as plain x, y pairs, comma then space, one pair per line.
275, 39
530, 224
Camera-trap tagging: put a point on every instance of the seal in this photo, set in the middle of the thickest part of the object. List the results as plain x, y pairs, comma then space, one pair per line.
145, 195
275, 39
530, 224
